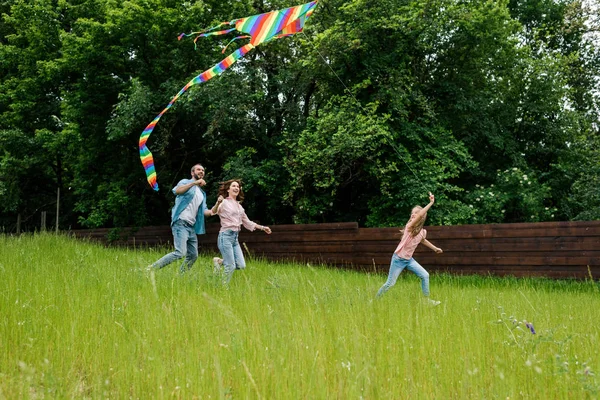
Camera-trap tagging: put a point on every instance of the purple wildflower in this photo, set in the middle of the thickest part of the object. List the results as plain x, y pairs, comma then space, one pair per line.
530, 326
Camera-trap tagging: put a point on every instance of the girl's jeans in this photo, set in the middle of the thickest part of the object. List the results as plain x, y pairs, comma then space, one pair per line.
186, 244
233, 257
396, 266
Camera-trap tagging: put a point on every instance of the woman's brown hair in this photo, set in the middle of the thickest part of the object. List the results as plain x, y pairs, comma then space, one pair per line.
224, 187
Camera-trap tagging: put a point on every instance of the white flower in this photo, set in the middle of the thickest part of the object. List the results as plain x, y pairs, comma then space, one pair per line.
503, 211
330, 204
492, 185
491, 194
547, 208
476, 185
471, 205
515, 169
529, 182
524, 177
478, 199
552, 215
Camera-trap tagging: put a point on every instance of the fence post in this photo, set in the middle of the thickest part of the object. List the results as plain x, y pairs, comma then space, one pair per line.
43, 226
57, 206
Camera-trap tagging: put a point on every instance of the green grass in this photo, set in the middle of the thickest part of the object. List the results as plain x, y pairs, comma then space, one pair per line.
80, 320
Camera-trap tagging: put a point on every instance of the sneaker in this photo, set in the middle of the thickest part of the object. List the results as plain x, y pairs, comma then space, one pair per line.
216, 264
433, 302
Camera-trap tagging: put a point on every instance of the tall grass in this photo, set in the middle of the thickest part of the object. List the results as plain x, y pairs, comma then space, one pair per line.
80, 320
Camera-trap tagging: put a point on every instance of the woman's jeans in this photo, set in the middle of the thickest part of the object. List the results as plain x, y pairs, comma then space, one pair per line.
233, 257
186, 244
396, 266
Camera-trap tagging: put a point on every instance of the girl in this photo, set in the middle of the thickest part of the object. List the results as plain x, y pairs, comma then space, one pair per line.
402, 258
232, 216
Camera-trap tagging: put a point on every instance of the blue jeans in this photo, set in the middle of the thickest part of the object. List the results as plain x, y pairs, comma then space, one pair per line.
396, 266
233, 257
186, 244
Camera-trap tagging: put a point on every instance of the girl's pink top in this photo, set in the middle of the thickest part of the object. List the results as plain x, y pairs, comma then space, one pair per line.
408, 244
233, 216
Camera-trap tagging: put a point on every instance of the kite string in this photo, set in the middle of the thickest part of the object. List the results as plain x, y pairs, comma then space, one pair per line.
364, 111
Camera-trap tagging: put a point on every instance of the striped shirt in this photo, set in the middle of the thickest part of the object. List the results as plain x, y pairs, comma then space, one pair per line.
233, 216
408, 244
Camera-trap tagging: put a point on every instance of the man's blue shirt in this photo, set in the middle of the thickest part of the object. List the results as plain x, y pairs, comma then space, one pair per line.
183, 200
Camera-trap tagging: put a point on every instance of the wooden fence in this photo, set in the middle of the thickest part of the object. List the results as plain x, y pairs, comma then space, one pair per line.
553, 249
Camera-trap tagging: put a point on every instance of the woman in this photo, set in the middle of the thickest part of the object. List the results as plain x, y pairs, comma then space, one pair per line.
232, 217
402, 257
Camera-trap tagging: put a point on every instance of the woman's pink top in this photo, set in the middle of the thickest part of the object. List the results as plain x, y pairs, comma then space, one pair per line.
233, 216
408, 244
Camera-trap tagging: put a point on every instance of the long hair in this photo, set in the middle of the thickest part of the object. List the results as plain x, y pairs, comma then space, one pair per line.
416, 228
224, 187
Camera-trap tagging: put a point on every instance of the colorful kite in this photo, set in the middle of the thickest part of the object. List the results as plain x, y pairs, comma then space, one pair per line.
261, 28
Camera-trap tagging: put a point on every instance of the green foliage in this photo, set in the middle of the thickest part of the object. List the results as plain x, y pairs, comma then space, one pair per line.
356, 119
579, 170
517, 196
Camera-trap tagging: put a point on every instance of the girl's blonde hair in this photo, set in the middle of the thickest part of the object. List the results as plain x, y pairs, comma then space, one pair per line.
416, 228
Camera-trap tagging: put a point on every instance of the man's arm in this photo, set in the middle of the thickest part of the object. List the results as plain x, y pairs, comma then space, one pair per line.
181, 189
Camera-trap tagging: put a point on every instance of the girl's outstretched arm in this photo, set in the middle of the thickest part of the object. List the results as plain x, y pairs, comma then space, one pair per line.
431, 246
420, 213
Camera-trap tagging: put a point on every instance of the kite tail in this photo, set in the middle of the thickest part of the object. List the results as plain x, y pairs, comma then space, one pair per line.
233, 40
145, 154
182, 35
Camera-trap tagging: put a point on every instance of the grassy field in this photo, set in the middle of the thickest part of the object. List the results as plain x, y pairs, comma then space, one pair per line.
83, 321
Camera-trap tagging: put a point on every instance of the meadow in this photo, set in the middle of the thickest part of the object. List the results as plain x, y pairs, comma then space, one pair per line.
80, 320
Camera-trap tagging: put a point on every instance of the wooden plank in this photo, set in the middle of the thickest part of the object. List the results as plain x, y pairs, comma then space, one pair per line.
312, 236
438, 260
333, 226
388, 248
436, 234
368, 236
459, 247
315, 227
490, 244
501, 260
521, 225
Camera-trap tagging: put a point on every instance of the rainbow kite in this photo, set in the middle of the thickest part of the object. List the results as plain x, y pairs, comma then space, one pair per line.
261, 28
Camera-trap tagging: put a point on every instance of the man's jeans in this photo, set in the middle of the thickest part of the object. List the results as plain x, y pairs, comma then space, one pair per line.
186, 244
233, 257
396, 266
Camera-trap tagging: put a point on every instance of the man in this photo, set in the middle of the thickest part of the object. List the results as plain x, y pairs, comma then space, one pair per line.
187, 220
